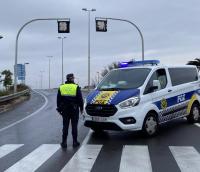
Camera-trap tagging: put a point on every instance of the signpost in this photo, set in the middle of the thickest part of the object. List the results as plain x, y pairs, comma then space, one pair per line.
21, 72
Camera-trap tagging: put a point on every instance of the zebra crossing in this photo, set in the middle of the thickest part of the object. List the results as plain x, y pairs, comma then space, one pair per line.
134, 158
6, 149
35, 159
84, 159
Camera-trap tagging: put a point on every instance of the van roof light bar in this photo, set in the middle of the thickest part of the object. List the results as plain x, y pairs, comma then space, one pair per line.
138, 63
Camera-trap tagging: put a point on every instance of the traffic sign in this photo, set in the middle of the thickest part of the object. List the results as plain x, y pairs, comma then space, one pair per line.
21, 71
63, 26
22, 78
101, 25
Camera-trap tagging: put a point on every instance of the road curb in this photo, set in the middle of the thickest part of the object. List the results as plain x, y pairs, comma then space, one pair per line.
12, 103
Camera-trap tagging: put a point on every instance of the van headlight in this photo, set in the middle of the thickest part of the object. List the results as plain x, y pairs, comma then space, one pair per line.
130, 102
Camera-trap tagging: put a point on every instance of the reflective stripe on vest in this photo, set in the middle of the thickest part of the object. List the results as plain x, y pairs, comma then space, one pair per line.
68, 90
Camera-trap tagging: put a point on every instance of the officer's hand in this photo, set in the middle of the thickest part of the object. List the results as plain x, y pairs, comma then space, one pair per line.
59, 110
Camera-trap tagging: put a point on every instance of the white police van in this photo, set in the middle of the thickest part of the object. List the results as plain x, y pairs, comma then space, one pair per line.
141, 95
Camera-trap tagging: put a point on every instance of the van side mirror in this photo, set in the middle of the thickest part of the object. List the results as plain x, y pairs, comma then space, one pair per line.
156, 85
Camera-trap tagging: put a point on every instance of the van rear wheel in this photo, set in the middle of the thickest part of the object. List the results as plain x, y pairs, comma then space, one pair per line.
150, 125
194, 114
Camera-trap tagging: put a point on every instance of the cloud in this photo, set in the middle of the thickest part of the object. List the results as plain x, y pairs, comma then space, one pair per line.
170, 30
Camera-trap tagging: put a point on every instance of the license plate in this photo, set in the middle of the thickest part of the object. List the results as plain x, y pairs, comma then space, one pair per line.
99, 119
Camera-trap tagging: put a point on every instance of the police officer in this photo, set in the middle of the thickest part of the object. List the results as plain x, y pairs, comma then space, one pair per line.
69, 101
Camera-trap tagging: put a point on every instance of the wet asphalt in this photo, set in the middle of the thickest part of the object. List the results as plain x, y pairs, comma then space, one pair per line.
45, 128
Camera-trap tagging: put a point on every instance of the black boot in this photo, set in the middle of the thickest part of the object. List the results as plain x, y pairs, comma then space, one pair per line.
63, 144
76, 144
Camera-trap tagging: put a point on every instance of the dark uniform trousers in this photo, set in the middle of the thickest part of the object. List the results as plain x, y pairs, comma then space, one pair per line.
73, 117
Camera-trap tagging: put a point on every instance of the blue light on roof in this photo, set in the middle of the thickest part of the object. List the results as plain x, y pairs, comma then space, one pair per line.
138, 63
123, 64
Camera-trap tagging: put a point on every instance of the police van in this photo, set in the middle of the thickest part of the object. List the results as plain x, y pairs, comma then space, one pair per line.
141, 95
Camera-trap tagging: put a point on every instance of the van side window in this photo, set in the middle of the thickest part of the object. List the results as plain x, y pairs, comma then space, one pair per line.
162, 77
182, 75
159, 75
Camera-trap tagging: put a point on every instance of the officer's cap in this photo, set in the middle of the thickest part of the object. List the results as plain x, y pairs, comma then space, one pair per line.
70, 76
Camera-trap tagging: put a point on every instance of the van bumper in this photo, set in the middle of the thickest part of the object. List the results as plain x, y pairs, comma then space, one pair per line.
103, 125
130, 119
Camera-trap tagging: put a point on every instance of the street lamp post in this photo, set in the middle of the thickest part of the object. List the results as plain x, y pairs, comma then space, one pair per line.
41, 79
98, 77
133, 24
50, 70
16, 44
87, 10
62, 38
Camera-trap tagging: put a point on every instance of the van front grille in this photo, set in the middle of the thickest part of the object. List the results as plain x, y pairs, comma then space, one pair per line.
101, 110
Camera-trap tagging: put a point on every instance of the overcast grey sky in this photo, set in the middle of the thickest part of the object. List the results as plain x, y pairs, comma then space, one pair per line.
170, 29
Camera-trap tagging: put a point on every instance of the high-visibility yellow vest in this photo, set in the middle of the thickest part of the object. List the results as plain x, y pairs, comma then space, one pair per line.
68, 90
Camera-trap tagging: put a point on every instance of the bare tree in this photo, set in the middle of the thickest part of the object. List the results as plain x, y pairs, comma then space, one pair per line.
195, 62
110, 67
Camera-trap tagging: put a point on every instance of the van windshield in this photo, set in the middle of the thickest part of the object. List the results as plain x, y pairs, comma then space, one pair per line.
124, 79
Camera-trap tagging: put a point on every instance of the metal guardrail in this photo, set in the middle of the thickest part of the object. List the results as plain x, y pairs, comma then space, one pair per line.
13, 96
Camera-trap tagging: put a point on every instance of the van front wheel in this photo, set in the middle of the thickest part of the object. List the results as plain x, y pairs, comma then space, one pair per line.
194, 114
150, 125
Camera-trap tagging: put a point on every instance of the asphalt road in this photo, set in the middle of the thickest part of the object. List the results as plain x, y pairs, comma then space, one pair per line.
22, 110
32, 144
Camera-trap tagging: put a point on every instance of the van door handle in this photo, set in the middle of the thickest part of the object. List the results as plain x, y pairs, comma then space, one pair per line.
169, 90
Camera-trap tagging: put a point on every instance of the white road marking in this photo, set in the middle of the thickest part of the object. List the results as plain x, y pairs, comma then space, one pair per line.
35, 159
135, 159
84, 159
34, 113
197, 124
8, 148
187, 158
87, 137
